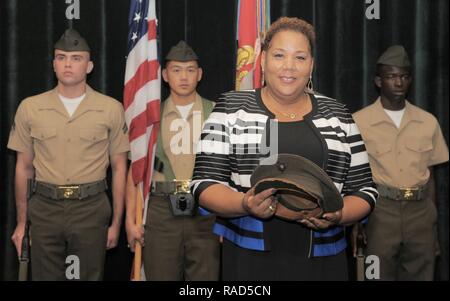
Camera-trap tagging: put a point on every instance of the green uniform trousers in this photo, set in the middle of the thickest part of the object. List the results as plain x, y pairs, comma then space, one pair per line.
179, 247
403, 234
68, 230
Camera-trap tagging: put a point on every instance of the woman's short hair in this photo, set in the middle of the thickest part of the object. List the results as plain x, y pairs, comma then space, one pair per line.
291, 24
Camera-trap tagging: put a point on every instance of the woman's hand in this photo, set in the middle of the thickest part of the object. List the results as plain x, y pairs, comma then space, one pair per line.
327, 220
262, 205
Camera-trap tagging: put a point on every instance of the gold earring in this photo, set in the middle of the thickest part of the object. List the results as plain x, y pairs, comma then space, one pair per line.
310, 85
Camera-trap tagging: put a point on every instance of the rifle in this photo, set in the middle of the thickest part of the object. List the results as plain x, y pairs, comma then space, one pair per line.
24, 258
360, 267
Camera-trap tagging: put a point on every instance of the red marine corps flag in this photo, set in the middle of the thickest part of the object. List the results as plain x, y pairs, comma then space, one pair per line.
142, 95
253, 20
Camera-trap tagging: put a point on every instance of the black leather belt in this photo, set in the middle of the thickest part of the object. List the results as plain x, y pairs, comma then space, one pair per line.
70, 192
170, 187
402, 194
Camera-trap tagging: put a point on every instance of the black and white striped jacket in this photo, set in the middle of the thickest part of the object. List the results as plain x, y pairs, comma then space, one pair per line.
231, 147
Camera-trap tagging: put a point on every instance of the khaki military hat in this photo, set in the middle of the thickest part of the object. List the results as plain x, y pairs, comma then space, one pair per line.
181, 52
395, 56
71, 40
303, 189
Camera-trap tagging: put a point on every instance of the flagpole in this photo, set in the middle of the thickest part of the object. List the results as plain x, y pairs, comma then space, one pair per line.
137, 245
142, 108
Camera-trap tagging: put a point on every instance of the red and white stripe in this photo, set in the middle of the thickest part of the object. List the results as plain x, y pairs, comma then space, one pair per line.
142, 96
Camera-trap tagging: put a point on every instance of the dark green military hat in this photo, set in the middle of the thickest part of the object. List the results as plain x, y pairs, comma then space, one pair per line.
303, 189
181, 52
71, 40
395, 56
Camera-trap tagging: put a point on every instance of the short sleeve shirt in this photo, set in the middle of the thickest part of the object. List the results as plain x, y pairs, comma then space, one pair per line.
69, 150
401, 157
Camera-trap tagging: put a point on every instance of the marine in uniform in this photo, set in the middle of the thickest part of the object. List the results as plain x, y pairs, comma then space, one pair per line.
403, 142
179, 242
66, 138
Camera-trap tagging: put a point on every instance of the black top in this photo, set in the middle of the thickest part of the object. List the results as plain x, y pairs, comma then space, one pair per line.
288, 243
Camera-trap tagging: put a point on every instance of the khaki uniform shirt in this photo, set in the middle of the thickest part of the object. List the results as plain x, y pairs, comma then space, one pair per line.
400, 157
69, 150
180, 138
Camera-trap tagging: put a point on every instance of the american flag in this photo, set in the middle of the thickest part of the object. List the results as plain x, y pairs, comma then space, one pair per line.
142, 92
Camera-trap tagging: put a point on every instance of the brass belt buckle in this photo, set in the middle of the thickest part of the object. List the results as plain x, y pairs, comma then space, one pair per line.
181, 186
70, 192
408, 193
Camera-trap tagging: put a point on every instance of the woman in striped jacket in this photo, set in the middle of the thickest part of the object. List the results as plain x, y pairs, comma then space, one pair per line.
257, 245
